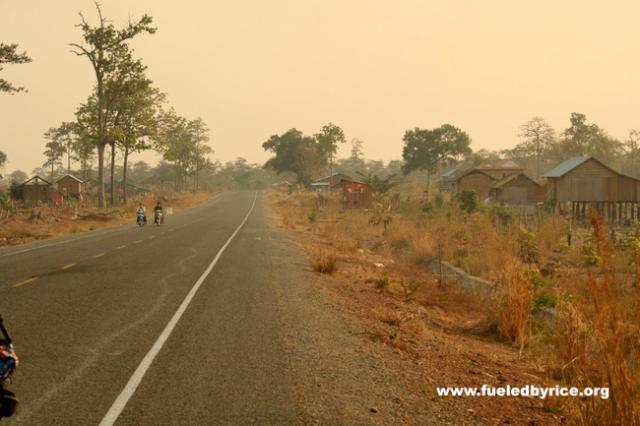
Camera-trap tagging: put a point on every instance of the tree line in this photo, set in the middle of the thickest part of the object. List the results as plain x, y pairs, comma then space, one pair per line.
124, 113
431, 151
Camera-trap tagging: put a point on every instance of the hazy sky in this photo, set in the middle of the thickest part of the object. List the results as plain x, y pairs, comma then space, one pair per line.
376, 68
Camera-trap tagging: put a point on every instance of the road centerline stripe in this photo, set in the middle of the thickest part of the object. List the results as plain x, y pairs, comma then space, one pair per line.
130, 388
70, 265
24, 282
98, 255
120, 247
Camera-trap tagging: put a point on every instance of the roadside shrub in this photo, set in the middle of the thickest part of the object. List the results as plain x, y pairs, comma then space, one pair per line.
381, 283
323, 262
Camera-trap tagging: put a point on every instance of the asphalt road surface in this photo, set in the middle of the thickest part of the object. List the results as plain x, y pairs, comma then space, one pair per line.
207, 319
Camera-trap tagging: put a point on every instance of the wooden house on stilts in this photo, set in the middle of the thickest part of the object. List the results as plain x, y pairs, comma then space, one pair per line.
589, 185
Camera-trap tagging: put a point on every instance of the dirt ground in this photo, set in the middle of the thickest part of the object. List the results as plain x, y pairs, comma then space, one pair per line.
436, 335
44, 221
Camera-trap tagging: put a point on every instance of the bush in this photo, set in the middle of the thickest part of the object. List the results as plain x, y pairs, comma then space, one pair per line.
323, 262
469, 201
427, 207
545, 299
313, 215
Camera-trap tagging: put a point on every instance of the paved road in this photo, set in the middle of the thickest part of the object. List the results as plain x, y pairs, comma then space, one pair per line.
86, 310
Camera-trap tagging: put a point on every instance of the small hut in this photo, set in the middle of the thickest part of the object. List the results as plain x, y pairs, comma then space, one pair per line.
356, 194
519, 189
35, 189
590, 185
70, 186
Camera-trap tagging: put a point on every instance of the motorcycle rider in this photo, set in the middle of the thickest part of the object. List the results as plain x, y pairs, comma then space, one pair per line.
157, 212
141, 211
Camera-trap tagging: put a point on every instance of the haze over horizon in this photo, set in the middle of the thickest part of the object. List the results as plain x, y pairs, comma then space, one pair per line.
252, 69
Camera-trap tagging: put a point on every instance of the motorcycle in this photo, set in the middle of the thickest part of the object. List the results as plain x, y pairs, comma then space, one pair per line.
8, 364
141, 220
157, 219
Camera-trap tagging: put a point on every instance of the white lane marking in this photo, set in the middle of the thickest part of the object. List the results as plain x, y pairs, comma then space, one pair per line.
130, 388
95, 233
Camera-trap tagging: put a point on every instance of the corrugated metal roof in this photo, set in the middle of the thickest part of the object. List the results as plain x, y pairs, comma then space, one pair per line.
566, 166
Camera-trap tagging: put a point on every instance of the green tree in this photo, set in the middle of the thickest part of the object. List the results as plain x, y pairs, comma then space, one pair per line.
377, 184
201, 150
137, 121
103, 45
54, 153
9, 55
295, 153
3, 159
329, 138
429, 149
64, 136
585, 139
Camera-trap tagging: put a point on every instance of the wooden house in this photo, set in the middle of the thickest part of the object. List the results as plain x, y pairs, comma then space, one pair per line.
70, 186
35, 189
519, 189
588, 184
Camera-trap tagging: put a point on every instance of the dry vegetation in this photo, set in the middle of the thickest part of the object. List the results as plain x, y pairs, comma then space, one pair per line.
45, 221
559, 314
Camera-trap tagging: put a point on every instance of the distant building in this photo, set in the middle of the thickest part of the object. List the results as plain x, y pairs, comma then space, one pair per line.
479, 179
519, 189
501, 169
35, 189
70, 186
356, 194
330, 182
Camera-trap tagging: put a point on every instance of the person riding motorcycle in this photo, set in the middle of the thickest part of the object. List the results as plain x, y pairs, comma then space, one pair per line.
142, 212
157, 213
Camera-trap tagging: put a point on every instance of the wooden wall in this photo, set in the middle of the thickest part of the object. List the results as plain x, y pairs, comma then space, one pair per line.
592, 182
476, 181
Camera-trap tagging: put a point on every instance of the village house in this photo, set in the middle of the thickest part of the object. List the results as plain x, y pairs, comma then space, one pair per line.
588, 185
70, 186
35, 189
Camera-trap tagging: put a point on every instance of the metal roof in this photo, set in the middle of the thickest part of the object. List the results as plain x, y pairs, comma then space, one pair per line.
566, 166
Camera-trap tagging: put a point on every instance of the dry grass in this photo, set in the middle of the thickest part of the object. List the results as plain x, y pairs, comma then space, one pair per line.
594, 339
323, 261
597, 340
